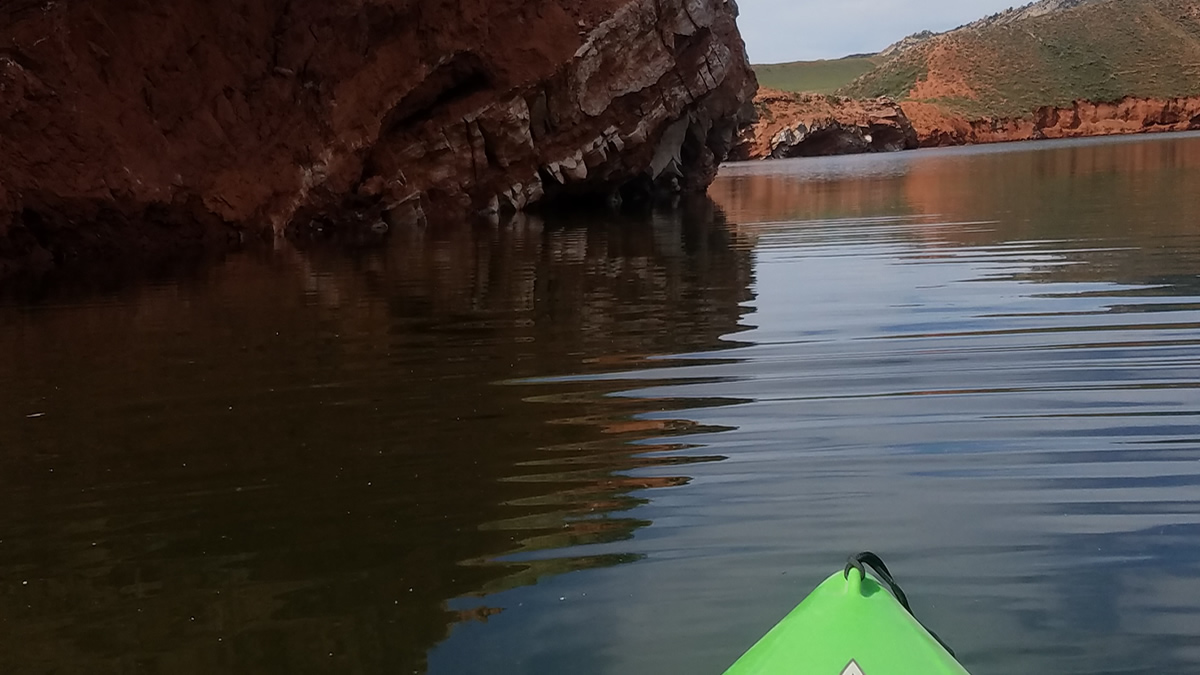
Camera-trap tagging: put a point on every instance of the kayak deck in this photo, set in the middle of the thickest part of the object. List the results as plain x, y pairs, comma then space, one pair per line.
850, 625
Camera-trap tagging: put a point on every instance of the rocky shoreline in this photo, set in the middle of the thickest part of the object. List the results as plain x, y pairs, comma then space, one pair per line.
808, 125
1130, 115
802, 125
128, 129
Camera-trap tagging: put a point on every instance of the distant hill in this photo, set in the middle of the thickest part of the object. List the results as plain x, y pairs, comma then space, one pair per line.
1048, 53
818, 77
910, 41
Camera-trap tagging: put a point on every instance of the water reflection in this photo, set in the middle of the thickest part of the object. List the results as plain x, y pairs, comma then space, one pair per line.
1095, 201
290, 462
983, 363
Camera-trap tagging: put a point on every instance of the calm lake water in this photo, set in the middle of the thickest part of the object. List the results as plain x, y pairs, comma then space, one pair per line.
630, 445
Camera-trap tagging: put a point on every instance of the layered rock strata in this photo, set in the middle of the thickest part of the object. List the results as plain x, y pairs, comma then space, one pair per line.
134, 121
796, 125
1130, 115
807, 125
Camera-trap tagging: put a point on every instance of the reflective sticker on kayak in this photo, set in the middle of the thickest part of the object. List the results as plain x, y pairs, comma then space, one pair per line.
852, 669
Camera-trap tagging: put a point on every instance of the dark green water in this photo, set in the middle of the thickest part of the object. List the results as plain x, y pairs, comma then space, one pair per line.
630, 445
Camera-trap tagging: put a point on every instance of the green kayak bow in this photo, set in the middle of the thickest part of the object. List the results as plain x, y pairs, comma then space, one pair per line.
854, 623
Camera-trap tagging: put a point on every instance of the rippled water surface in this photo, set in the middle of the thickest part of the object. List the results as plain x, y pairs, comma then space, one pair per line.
630, 444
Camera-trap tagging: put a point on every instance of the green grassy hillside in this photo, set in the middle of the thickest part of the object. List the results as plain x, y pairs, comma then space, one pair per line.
819, 77
1100, 51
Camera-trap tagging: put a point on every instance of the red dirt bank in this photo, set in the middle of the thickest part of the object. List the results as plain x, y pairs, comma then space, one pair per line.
134, 124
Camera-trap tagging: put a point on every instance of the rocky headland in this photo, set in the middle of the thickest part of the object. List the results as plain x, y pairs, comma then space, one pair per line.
138, 126
808, 125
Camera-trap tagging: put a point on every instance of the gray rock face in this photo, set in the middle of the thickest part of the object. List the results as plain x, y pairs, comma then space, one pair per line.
1033, 9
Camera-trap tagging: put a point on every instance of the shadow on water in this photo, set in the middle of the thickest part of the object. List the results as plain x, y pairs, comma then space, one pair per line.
291, 462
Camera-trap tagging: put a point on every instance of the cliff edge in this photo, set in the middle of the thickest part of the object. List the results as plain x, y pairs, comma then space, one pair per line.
134, 124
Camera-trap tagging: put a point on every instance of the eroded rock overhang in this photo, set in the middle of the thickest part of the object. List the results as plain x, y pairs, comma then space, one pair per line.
125, 118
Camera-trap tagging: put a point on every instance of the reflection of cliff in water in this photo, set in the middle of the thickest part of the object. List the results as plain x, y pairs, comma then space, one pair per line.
282, 465
1045, 195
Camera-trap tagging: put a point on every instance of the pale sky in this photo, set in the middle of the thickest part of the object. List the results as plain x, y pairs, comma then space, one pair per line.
801, 30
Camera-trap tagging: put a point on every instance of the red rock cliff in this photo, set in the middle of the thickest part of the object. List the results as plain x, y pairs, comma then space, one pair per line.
1131, 115
138, 119
792, 125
